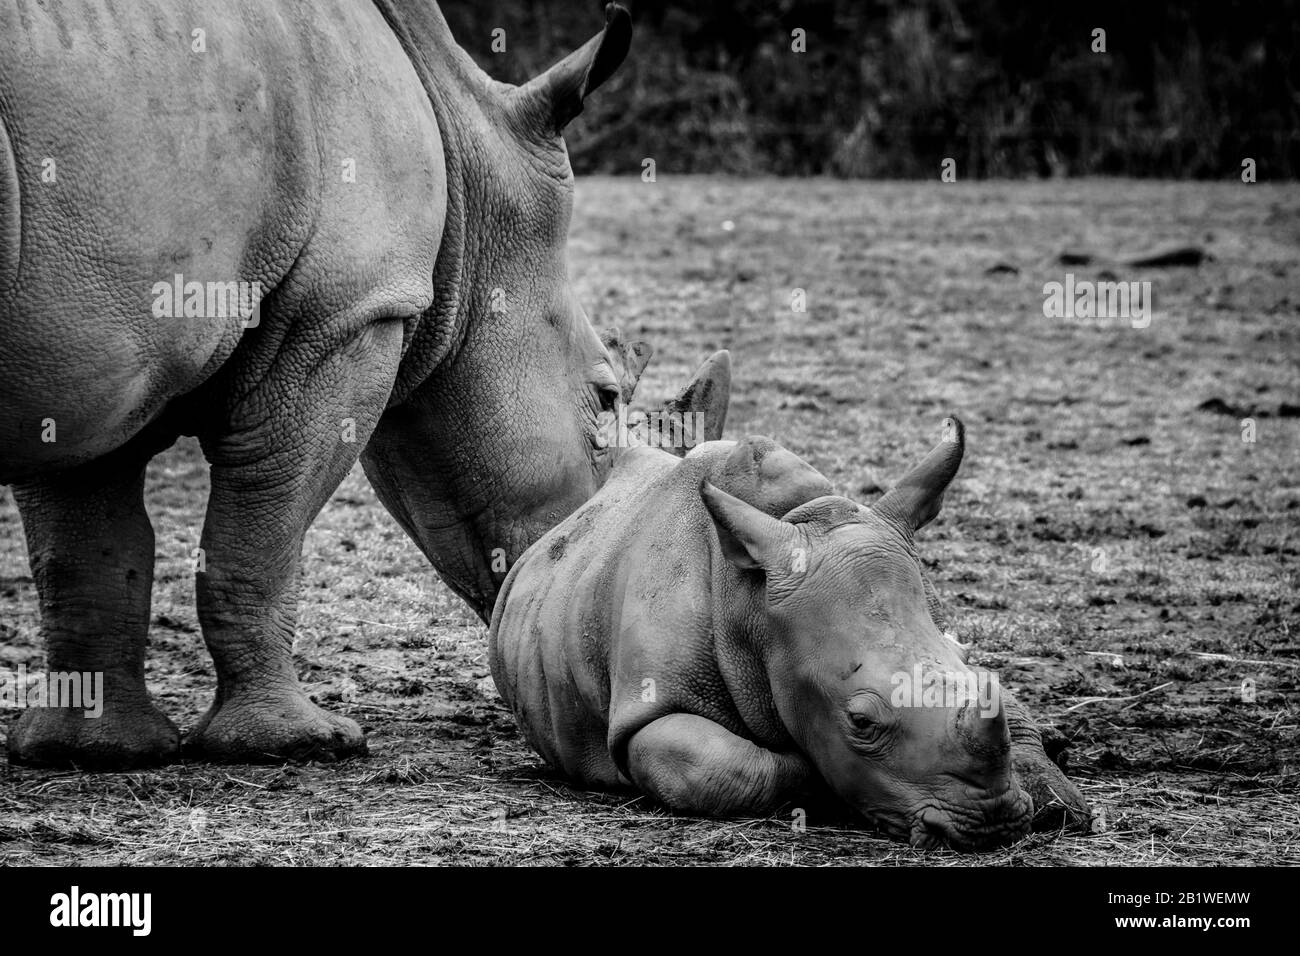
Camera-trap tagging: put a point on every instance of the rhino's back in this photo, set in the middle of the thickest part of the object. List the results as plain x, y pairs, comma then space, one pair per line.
609, 621
551, 626
137, 148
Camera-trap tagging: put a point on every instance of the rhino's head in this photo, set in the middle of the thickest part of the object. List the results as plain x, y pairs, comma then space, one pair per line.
503, 413
864, 681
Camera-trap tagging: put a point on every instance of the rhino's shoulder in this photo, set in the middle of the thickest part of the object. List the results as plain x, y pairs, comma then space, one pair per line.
635, 468
606, 518
761, 472
652, 494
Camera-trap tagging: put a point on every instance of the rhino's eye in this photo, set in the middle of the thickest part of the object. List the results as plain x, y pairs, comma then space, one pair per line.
869, 719
609, 396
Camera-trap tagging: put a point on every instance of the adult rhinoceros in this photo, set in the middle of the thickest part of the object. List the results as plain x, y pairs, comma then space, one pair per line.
399, 220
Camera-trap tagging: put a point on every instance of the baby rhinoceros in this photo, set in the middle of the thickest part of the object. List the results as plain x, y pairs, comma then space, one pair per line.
721, 630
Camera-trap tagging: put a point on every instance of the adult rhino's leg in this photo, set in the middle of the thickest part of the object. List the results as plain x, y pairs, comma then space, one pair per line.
1058, 804
92, 554
289, 443
693, 765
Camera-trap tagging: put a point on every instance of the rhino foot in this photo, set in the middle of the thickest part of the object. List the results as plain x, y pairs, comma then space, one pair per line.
691, 764
122, 737
248, 728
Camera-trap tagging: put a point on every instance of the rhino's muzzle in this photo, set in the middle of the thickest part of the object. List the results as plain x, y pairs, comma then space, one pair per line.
993, 824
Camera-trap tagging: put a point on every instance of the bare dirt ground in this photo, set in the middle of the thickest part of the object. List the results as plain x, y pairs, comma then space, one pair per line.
1112, 544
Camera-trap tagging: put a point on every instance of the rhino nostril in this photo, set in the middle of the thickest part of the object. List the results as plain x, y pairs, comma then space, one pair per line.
929, 829
998, 825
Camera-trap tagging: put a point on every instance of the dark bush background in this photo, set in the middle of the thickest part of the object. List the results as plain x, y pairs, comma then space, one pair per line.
888, 88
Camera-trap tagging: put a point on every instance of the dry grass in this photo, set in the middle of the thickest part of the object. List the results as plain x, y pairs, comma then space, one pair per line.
401, 813
1081, 440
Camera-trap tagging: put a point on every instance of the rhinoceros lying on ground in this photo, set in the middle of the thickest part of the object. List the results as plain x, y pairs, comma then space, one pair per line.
721, 630
289, 229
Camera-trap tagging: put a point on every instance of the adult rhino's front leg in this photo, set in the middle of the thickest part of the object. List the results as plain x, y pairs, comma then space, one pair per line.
1058, 804
288, 444
92, 554
693, 765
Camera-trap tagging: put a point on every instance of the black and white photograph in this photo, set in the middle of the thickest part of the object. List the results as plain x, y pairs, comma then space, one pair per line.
736, 433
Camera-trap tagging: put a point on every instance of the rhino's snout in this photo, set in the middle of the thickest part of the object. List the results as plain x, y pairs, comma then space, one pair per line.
998, 823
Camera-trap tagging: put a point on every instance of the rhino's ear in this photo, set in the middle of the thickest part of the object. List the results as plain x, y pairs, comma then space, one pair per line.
963, 650
914, 501
636, 356
629, 360
750, 539
556, 97
707, 394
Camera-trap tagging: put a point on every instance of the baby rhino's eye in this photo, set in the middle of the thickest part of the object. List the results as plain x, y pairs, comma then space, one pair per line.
869, 718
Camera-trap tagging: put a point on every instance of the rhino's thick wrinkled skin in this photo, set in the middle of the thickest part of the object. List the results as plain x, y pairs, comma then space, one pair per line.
638, 643
405, 217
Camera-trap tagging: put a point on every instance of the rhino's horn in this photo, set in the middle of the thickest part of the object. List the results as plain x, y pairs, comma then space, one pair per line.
917, 498
556, 96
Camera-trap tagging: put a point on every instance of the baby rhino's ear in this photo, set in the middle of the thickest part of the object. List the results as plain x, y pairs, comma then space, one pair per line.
749, 538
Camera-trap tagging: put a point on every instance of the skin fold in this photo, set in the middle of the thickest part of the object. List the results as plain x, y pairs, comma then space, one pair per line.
722, 632
405, 218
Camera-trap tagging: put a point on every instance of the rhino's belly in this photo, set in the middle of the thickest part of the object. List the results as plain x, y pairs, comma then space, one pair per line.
162, 145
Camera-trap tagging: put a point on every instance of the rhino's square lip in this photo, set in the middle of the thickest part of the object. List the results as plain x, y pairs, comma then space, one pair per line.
1012, 809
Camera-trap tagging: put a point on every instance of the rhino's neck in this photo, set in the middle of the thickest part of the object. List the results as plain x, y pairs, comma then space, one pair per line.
419, 460
448, 501
463, 101
434, 52
740, 647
